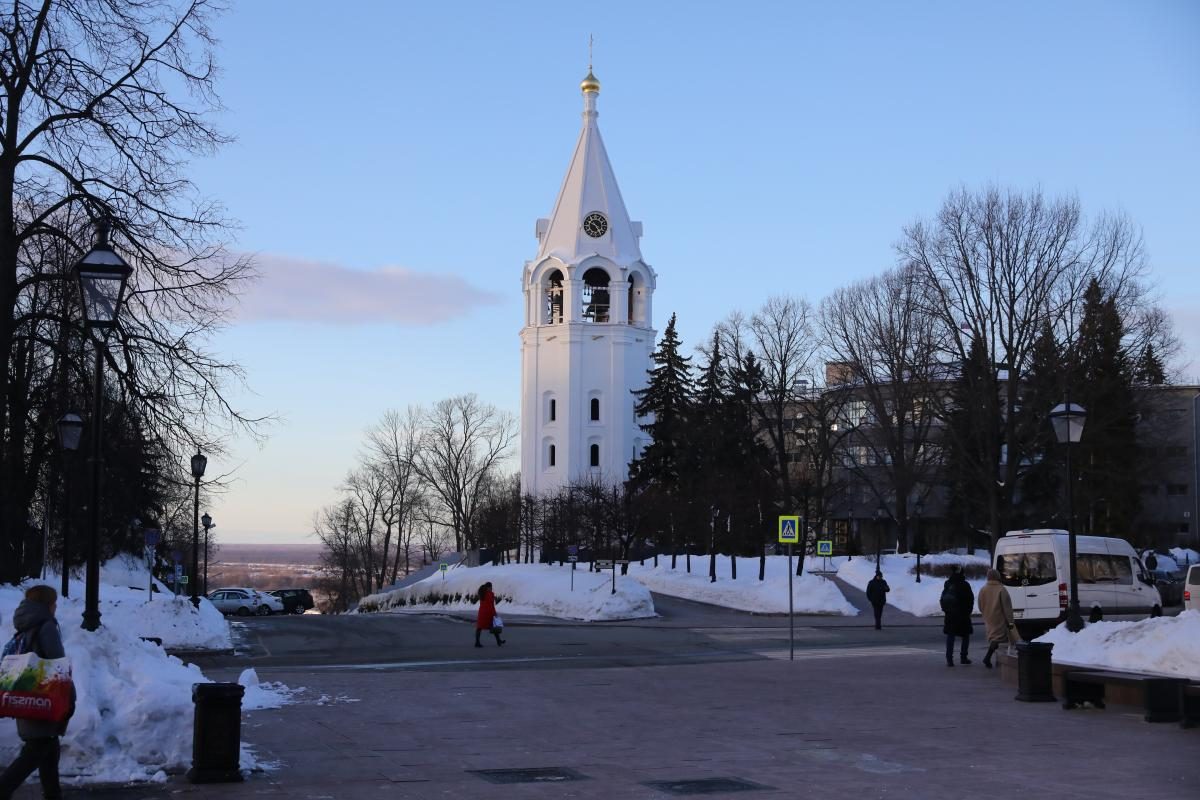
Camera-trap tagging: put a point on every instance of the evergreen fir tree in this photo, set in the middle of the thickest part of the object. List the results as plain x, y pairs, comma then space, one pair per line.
1150, 369
1040, 493
1107, 500
969, 457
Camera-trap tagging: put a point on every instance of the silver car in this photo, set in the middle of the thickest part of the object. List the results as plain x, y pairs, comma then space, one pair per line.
244, 602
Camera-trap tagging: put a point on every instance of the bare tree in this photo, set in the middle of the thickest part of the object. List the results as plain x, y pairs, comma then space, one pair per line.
998, 267
881, 331
103, 102
392, 448
463, 443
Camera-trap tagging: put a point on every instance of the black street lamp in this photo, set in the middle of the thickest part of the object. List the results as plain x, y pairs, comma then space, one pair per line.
880, 515
918, 509
70, 431
1067, 419
207, 522
199, 463
102, 275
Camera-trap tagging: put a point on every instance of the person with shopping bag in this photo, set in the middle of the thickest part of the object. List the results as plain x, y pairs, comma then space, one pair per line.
36, 633
487, 619
996, 607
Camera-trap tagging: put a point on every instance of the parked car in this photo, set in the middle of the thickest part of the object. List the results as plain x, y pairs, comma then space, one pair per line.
1035, 566
1191, 589
244, 601
295, 601
1170, 586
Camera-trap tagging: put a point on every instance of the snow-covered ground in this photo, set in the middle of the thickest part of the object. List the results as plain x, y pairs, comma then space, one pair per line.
539, 589
812, 594
1163, 645
920, 599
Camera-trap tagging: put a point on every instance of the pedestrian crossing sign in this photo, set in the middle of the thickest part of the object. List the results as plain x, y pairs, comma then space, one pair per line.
789, 530
825, 547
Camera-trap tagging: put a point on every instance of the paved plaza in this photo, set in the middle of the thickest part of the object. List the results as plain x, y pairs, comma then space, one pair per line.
604, 713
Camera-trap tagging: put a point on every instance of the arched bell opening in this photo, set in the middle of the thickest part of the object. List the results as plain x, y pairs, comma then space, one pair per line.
595, 296
553, 308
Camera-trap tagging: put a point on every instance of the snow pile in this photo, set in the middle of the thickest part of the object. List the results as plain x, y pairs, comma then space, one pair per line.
134, 701
265, 695
812, 594
1184, 556
123, 605
1163, 645
920, 599
539, 589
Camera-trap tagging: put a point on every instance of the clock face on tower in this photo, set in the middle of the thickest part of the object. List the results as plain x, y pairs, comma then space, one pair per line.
595, 225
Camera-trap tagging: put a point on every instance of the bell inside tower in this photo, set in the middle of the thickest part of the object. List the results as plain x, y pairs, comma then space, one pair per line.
595, 296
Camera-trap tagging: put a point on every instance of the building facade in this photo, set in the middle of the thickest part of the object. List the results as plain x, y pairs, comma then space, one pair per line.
588, 332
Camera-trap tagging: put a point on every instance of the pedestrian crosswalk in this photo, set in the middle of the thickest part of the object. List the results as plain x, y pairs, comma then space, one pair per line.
815, 653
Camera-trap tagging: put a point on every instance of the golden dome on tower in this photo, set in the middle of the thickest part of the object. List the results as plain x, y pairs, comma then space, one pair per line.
590, 83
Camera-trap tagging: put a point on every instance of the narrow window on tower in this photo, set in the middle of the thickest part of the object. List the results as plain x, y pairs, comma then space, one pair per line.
595, 409
595, 455
553, 410
552, 454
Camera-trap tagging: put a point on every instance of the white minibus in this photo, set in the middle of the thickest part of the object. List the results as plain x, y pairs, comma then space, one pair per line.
1113, 583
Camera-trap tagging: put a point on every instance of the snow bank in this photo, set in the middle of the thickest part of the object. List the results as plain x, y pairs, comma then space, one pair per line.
265, 695
920, 599
133, 717
540, 589
1164, 645
813, 594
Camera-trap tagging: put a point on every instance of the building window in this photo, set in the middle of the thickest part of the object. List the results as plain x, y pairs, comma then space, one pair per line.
595, 455
553, 410
595, 409
552, 455
1177, 489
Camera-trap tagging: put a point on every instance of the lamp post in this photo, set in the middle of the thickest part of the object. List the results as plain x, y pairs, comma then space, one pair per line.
1067, 419
70, 431
880, 515
207, 522
199, 463
712, 547
102, 275
918, 509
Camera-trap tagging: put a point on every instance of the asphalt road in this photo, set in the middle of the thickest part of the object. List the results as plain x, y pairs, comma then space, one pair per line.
684, 632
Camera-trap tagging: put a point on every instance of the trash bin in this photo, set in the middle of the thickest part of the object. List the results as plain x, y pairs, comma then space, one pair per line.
216, 733
1035, 672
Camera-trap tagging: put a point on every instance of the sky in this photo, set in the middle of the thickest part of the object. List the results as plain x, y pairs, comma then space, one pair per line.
391, 160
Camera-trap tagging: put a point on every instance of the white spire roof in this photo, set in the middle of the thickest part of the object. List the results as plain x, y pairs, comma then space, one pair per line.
589, 187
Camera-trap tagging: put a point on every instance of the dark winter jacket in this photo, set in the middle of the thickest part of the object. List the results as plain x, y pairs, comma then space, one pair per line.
958, 619
36, 620
877, 590
487, 612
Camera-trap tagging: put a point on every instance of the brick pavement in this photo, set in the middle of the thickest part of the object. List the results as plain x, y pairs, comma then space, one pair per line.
894, 724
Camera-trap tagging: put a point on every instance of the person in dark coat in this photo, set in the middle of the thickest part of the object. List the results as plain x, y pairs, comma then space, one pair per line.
877, 590
958, 600
34, 619
485, 620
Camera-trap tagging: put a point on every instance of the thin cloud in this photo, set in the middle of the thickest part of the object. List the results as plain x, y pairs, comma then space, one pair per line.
299, 290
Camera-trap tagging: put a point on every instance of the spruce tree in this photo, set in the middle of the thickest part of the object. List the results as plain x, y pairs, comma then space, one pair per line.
1107, 500
665, 405
1150, 370
1042, 480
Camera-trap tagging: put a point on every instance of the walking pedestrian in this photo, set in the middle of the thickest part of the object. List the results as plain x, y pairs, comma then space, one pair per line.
34, 620
486, 619
996, 607
957, 603
877, 589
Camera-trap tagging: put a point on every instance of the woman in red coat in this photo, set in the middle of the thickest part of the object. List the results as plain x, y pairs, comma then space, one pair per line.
486, 620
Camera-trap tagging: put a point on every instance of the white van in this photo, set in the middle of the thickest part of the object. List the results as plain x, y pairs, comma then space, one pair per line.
1033, 564
1191, 588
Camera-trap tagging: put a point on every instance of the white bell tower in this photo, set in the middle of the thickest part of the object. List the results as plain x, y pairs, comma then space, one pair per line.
588, 329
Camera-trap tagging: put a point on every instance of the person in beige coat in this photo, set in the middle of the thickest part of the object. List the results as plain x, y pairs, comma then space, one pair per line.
996, 607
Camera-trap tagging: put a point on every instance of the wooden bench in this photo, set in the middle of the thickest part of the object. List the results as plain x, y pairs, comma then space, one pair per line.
1160, 696
1189, 705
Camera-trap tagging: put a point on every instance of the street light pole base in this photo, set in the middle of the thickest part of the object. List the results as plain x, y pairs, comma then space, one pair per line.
91, 620
1075, 621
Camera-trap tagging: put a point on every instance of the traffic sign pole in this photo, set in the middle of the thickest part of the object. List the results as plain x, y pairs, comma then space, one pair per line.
791, 612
